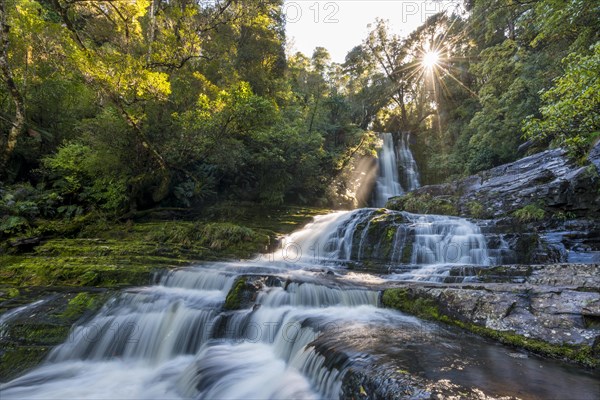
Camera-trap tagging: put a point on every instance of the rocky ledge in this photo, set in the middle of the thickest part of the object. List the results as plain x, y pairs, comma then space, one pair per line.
549, 180
544, 207
549, 309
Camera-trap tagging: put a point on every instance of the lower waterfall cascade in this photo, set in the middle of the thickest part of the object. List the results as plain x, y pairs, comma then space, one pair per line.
180, 339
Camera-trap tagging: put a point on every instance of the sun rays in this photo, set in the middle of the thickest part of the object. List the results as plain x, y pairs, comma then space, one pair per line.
430, 59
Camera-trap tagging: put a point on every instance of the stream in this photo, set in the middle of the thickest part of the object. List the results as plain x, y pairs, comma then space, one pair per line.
303, 321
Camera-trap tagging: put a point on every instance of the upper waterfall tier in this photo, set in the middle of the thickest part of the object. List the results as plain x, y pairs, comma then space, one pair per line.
398, 171
409, 173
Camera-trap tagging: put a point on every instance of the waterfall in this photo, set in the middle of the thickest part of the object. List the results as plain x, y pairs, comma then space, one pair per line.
388, 181
398, 171
408, 165
300, 324
391, 237
174, 340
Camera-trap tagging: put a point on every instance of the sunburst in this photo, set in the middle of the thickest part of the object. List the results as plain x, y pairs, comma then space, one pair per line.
430, 59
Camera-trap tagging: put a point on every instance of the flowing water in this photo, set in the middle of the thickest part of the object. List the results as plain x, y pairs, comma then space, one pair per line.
305, 323
301, 322
398, 171
409, 173
388, 181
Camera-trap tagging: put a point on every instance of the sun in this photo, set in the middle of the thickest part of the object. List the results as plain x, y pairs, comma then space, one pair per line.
430, 59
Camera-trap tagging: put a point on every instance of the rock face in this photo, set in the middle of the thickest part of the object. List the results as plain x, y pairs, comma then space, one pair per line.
544, 207
556, 304
548, 178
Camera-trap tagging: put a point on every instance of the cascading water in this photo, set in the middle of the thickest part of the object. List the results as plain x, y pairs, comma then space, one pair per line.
392, 237
388, 182
284, 326
409, 176
174, 340
398, 171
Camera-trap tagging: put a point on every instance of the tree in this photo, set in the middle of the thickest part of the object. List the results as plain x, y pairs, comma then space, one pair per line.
17, 124
570, 114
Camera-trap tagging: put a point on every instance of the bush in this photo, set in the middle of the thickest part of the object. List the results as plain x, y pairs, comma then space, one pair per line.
476, 209
83, 177
531, 212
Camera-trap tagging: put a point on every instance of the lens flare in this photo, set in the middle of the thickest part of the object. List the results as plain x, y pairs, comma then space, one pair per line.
430, 59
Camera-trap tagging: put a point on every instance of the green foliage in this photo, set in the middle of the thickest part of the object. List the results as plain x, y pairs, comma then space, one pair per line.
129, 110
564, 215
529, 213
424, 204
570, 115
11, 224
79, 174
476, 209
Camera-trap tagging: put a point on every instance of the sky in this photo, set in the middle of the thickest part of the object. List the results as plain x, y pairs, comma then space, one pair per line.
342, 24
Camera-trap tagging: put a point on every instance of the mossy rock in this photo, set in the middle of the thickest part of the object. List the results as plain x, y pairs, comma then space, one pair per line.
243, 293
424, 203
418, 304
28, 338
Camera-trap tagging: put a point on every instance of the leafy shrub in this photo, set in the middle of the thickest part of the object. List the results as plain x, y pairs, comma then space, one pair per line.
476, 209
80, 176
570, 108
531, 212
11, 224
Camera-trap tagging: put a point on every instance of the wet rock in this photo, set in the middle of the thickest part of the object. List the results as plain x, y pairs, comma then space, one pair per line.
594, 156
555, 304
549, 177
38, 319
244, 291
544, 208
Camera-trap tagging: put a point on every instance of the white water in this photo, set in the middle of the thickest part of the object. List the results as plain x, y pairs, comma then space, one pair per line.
388, 181
447, 240
9, 315
175, 340
398, 171
433, 239
408, 165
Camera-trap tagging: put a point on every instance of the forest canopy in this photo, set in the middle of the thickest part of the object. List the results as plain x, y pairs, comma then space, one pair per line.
117, 106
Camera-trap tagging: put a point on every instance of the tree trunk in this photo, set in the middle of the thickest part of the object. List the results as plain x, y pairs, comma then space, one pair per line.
18, 123
151, 29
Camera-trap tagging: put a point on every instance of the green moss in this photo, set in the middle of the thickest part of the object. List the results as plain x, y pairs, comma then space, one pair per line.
118, 254
407, 300
16, 359
425, 204
407, 251
79, 304
404, 300
387, 246
39, 333
77, 271
233, 301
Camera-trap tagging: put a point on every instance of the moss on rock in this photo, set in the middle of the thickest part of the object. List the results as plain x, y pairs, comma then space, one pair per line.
409, 301
424, 203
